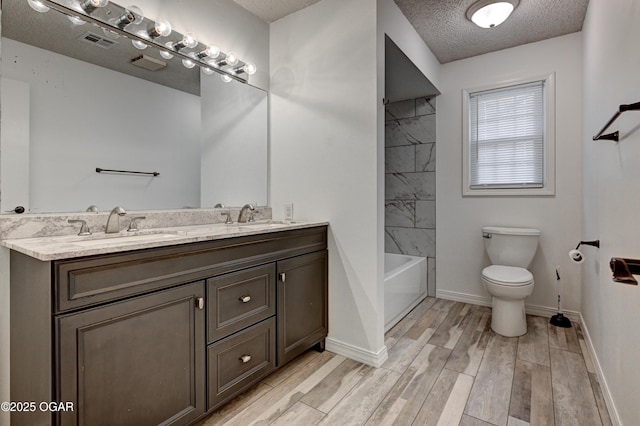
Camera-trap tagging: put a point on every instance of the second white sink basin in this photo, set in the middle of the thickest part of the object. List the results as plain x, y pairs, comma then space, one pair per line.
262, 225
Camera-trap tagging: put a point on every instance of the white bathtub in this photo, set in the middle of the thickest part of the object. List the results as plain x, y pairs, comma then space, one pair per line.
405, 285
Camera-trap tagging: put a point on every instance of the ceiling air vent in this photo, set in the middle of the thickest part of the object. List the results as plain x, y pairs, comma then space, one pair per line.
148, 63
97, 40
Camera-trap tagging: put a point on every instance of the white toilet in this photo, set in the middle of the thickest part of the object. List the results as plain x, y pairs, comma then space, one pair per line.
511, 250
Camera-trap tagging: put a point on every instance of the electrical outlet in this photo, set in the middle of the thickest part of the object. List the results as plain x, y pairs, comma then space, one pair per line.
288, 212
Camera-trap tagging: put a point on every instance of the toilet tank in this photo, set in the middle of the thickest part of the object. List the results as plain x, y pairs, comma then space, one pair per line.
510, 246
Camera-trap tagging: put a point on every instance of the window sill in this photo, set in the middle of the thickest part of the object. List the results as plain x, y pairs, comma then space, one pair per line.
508, 192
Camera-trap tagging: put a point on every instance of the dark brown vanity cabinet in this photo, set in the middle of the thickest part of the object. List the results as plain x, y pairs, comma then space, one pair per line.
163, 335
135, 362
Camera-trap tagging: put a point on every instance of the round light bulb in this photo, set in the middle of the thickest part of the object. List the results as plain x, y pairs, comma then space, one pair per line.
189, 63
225, 78
162, 28
189, 41
231, 58
75, 20
110, 34
140, 45
38, 6
207, 71
492, 15
89, 6
212, 52
138, 16
249, 68
164, 53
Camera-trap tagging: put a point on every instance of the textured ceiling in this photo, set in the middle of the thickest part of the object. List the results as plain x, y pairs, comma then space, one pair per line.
443, 26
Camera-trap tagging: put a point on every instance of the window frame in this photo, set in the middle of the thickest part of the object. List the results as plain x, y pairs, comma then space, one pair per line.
548, 187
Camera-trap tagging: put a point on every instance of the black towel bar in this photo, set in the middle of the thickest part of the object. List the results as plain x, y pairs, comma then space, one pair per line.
100, 170
615, 136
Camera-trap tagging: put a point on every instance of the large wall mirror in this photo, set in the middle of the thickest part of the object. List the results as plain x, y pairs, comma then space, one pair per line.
73, 101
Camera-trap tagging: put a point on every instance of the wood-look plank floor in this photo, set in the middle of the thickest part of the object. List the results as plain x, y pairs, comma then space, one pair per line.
446, 367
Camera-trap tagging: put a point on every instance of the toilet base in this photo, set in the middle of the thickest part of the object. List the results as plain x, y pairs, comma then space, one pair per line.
508, 317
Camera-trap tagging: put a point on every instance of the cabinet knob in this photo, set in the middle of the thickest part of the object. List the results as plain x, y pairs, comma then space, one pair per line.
283, 277
200, 302
245, 358
245, 299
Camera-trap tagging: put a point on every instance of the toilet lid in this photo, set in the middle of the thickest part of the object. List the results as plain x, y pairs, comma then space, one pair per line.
507, 275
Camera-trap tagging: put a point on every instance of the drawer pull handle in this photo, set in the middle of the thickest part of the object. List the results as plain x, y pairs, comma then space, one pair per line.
245, 299
245, 358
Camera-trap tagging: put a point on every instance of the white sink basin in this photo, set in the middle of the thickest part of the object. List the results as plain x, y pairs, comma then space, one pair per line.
125, 240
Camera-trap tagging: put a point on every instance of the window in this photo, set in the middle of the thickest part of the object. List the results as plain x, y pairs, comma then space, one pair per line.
509, 139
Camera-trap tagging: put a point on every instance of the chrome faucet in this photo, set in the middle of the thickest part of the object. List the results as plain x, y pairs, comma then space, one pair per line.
242, 217
113, 223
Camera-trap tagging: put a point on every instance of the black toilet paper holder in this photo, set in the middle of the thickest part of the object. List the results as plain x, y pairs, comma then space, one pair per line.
595, 243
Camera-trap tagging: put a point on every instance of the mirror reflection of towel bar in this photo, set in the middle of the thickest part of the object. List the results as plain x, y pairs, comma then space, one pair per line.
100, 170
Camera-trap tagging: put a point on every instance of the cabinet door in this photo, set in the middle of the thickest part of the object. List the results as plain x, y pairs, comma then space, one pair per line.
137, 362
302, 304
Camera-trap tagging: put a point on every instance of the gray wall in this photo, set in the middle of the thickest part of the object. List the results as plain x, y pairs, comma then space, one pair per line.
410, 180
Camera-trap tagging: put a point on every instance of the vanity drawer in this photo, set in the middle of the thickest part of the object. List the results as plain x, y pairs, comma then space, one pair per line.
240, 360
240, 299
103, 278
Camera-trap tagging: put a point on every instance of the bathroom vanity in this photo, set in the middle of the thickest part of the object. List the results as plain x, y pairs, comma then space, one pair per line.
164, 328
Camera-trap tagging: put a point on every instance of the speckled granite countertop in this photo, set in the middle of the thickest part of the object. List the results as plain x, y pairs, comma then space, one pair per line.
71, 246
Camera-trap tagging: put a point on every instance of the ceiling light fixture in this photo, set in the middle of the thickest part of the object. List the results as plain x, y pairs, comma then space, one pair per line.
491, 13
130, 22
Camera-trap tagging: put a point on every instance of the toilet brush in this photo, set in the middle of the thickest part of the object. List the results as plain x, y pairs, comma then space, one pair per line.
559, 320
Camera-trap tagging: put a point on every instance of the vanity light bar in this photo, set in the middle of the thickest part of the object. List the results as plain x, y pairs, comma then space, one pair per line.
235, 69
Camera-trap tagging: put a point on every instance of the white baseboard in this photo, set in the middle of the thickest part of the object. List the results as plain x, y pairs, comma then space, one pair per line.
463, 297
613, 412
543, 311
374, 359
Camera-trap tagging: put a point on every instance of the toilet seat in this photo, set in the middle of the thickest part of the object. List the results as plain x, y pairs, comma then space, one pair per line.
509, 276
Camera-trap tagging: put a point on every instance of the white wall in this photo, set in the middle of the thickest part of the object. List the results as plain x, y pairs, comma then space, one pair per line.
324, 153
460, 255
611, 203
327, 148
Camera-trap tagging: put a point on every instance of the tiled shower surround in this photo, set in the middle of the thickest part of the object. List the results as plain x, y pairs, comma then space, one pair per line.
410, 180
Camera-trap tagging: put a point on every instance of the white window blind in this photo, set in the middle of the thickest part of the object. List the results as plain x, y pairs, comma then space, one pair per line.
507, 137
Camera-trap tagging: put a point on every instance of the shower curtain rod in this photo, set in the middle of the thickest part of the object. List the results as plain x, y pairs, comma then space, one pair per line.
615, 135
